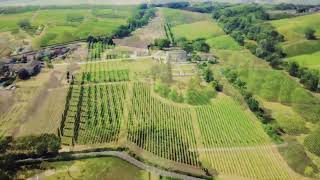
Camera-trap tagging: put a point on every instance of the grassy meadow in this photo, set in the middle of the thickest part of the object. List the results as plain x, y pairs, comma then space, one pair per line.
293, 29
311, 61
200, 29
179, 17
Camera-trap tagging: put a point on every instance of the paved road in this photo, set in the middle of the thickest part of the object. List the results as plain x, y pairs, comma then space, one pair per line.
123, 156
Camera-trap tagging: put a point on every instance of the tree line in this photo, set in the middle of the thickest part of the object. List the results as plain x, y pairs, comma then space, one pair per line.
140, 18
25, 147
270, 126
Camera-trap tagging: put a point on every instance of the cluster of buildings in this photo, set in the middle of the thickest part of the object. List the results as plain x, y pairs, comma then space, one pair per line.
176, 55
30, 63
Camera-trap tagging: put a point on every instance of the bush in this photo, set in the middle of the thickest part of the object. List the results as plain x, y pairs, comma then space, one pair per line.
310, 34
162, 89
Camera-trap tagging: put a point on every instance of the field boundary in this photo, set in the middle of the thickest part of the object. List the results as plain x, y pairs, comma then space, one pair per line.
122, 155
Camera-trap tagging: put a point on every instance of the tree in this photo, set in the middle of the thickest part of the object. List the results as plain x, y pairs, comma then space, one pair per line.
53, 141
41, 148
310, 34
293, 69
24, 24
238, 37
253, 104
173, 95
184, 44
23, 74
310, 78
201, 45
208, 75
4, 143
162, 43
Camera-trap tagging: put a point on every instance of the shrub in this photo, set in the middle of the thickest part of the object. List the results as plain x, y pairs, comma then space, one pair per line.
310, 34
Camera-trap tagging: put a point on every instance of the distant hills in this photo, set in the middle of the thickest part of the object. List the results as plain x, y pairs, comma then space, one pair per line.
75, 2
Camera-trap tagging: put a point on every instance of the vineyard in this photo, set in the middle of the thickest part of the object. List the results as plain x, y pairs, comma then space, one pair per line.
221, 135
162, 129
106, 103
236, 144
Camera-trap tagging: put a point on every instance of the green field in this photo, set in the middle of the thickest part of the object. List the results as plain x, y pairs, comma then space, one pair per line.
223, 42
62, 25
199, 29
311, 61
179, 17
271, 85
293, 29
95, 168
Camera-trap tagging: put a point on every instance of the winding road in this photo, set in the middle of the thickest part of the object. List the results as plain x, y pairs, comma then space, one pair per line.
121, 155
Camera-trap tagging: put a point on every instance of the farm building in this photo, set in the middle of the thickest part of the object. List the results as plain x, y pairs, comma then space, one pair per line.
159, 56
176, 56
207, 56
172, 56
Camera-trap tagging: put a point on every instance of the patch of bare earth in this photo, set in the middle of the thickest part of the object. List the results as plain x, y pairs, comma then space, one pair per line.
144, 36
44, 112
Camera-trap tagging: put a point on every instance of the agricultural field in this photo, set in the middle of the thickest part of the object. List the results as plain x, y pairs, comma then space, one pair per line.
199, 29
311, 60
293, 30
30, 104
183, 134
190, 117
177, 17
52, 26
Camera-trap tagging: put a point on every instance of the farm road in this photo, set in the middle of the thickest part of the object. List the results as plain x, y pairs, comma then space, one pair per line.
108, 60
122, 156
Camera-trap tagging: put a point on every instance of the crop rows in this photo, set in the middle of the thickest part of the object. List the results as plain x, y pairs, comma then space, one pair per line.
95, 51
68, 127
226, 125
236, 145
234, 142
164, 130
101, 113
105, 76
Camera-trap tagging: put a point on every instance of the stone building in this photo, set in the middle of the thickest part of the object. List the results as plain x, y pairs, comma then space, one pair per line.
176, 56
172, 56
